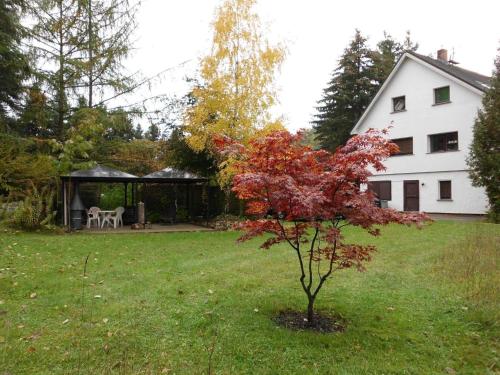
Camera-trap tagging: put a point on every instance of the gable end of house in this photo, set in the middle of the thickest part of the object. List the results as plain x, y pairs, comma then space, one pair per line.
473, 81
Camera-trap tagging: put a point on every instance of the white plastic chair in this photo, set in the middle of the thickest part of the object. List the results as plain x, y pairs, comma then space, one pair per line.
93, 215
117, 218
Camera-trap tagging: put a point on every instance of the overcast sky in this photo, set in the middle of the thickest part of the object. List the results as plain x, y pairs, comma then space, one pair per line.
315, 33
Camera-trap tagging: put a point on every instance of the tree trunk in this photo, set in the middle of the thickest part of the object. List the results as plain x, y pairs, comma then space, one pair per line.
227, 199
91, 55
60, 79
310, 310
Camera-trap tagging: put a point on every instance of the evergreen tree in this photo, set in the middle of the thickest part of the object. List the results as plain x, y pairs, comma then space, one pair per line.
484, 157
153, 133
387, 53
35, 117
120, 126
348, 94
178, 154
354, 83
138, 132
13, 63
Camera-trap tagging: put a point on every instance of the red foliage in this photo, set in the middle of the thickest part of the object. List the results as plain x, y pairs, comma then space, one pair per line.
304, 197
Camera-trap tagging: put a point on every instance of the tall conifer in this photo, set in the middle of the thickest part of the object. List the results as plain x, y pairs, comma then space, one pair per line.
347, 95
13, 63
360, 73
484, 157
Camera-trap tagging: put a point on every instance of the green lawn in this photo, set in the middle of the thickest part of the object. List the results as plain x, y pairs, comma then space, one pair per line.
158, 303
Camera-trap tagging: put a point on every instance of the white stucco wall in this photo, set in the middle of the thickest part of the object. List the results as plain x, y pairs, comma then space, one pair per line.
465, 199
421, 119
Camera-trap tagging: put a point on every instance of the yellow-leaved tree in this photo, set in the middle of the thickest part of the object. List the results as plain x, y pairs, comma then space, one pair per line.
237, 89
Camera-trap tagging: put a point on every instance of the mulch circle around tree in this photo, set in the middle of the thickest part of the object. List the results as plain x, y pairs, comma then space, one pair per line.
322, 323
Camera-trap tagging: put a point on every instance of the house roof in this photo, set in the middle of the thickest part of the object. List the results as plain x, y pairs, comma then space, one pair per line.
100, 173
474, 81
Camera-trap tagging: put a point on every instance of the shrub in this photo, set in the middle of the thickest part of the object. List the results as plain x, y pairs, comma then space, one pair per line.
182, 215
153, 217
35, 211
112, 196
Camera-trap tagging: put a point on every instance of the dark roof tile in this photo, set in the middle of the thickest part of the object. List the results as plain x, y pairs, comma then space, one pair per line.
474, 79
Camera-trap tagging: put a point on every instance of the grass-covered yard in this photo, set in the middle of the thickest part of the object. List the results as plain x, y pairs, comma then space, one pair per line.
163, 303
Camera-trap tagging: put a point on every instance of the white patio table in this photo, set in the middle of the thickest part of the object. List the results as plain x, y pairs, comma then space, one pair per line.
105, 217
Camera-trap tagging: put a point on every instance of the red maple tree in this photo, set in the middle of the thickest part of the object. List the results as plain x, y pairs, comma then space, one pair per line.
305, 197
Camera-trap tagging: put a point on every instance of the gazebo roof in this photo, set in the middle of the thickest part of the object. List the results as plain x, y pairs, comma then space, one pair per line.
100, 173
172, 175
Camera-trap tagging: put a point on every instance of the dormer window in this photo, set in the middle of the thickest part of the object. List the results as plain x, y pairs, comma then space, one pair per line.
399, 104
442, 95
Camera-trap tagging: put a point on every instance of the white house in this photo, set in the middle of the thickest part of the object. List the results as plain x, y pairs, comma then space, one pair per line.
431, 105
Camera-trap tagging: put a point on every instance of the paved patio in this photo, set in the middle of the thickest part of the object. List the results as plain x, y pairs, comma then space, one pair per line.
155, 228
458, 217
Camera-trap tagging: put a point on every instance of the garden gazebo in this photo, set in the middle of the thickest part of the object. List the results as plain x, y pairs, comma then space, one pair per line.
183, 186
73, 206
98, 174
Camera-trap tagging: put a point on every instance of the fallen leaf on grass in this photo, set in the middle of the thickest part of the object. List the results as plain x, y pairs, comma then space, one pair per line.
32, 337
31, 349
33, 295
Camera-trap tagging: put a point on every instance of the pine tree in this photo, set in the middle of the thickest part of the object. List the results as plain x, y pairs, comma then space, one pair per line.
153, 133
14, 67
348, 94
387, 53
354, 83
484, 157
178, 154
